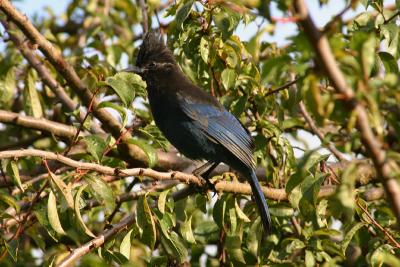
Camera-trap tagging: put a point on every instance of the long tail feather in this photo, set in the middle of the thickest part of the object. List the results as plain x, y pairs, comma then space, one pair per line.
260, 201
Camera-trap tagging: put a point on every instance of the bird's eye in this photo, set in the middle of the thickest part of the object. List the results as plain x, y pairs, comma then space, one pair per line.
152, 64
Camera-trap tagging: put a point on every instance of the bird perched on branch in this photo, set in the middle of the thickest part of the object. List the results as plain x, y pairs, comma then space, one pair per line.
194, 121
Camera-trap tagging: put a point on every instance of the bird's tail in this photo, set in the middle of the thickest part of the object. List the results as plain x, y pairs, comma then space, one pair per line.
260, 201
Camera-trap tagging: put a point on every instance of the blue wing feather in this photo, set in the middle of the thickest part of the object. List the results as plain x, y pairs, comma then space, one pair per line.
221, 126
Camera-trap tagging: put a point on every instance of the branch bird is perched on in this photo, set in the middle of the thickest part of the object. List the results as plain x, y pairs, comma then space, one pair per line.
194, 121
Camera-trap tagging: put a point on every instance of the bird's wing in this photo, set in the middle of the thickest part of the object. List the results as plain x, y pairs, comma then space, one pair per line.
222, 127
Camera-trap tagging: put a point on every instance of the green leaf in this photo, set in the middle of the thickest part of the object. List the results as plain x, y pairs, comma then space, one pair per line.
234, 248
219, 212
102, 192
145, 221
96, 146
149, 150
239, 106
240, 213
126, 85
12, 248
52, 214
10, 202
186, 230
201, 202
349, 235
368, 55
309, 259
383, 256
390, 32
181, 252
389, 62
161, 200
119, 109
228, 77
78, 215
125, 247
63, 189
204, 49
7, 89
33, 96
182, 13
15, 174
40, 212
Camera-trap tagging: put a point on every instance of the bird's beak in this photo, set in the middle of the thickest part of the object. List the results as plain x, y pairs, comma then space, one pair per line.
133, 69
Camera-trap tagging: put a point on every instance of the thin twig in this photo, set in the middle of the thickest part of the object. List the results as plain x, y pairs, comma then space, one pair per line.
318, 133
392, 17
145, 19
82, 123
377, 225
283, 87
118, 205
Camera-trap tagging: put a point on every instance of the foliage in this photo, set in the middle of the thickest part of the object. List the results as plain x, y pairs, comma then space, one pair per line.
98, 38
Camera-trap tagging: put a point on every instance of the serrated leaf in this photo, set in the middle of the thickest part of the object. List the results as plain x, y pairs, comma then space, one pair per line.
161, 200
125, 247
145, 221
126, 84
96, 146
78, 215
102, 192
149, 150
182, 13
63, 189
228, 77
119, 109
52, 214
186, 231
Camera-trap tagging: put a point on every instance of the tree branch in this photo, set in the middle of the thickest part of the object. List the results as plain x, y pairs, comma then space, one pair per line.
132, 153
369, 140
106, 235
41, 124
45, 74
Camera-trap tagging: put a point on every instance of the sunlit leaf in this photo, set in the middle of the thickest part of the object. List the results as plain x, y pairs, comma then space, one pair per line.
52, 214
126, 85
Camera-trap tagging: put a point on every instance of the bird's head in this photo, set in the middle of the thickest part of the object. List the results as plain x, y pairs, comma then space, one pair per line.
153, 51
153, 55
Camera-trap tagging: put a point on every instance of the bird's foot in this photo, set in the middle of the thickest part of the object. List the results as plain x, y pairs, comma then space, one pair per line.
206, 186
210, 186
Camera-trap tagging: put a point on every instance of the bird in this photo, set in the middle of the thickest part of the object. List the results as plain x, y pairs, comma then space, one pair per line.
193, 121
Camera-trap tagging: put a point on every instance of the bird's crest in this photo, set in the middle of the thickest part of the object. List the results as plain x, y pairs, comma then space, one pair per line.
154, 50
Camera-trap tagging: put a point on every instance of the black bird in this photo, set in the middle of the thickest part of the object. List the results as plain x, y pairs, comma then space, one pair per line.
194, 121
